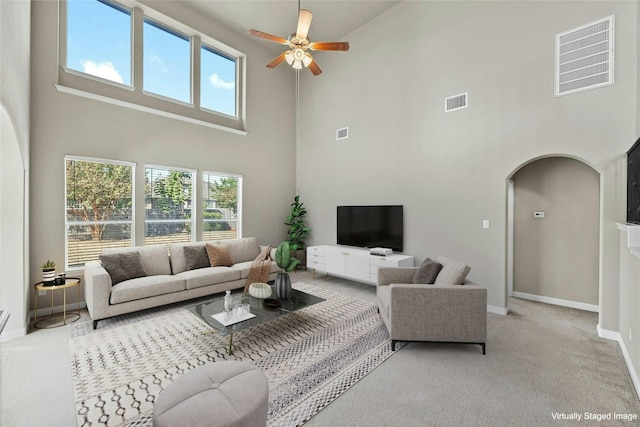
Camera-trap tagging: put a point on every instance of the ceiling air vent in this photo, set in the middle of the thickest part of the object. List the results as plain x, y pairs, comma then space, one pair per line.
584, 57
456, 102
342, 134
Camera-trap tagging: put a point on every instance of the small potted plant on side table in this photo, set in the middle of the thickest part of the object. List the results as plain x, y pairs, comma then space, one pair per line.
48, 272
287, 263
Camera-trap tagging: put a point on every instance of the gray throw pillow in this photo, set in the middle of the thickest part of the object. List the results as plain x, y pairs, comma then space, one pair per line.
453, 272
427, 272
123, 266
196, 257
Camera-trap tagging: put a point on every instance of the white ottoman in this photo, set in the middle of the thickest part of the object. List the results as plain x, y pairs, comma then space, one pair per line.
222, 394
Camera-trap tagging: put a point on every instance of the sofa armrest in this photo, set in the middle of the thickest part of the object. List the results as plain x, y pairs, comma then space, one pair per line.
439, 312
388, 275
97, 289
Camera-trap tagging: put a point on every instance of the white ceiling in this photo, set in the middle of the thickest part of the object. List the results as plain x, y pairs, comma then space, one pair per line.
332, 19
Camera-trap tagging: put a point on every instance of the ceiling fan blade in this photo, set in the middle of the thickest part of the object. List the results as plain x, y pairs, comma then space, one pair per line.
313, 66
267, 36
304, 22
278, 60
344, 46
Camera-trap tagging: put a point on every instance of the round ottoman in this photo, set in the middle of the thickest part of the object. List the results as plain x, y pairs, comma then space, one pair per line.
222, 394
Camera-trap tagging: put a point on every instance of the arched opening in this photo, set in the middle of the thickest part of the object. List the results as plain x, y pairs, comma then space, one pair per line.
553, 232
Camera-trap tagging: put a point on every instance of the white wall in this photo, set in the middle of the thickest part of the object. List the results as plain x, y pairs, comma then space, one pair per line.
64, 124
14, 156
450, 170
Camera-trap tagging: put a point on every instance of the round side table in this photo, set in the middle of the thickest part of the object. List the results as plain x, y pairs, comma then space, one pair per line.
40, 286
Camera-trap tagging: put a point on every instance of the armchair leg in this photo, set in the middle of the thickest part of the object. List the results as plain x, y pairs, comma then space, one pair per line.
393, 345
95, 324
484, 348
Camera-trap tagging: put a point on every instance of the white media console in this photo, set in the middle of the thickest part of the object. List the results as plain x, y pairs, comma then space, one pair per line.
352, 263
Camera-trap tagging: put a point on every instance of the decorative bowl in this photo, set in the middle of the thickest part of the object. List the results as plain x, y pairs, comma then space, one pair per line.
260, 290
271, 303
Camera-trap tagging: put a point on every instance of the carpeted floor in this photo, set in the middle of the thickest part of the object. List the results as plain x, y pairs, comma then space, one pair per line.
310, 358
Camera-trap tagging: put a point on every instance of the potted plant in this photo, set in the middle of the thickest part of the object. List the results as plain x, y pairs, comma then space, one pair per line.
48, 272
298, 231
287, 263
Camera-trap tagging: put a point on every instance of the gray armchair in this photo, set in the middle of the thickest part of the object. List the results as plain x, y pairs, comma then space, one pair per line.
436, 313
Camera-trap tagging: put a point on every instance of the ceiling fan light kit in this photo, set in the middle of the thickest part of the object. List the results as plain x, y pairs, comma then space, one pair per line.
298, 44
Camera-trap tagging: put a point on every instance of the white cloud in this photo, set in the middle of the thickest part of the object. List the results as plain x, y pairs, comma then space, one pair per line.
218, 83
156, 60
106, 70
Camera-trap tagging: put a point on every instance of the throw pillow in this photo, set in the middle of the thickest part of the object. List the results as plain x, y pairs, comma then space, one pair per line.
196, 257
427, 272
452, 273
123, 266
219, 255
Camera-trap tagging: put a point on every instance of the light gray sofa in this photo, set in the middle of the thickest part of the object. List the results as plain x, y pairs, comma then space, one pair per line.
440, 312
167, 278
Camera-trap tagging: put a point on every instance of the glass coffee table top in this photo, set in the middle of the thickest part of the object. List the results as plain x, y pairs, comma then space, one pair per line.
296, 301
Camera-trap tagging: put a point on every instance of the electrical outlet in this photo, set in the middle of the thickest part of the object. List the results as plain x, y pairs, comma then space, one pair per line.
485, 223
40, 293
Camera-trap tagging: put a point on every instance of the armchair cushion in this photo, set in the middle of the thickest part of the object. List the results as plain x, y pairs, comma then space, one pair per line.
452, 273
427, 272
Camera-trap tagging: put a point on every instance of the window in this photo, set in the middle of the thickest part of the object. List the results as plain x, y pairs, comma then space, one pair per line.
167, 62
157, 75
99, 40
221, 196
99, 208
168, 205
218, 81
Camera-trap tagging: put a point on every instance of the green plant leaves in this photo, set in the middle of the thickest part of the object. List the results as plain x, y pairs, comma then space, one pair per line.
284, 259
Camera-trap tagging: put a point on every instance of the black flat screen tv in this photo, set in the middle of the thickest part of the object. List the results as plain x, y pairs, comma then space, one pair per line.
371, 226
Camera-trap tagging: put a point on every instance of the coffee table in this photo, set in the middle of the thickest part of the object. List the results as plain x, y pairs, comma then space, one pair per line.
296, 301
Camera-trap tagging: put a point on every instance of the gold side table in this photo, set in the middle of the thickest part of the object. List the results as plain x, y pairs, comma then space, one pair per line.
40, 286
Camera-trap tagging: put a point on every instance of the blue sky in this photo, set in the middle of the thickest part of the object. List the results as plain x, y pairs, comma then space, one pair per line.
99, 43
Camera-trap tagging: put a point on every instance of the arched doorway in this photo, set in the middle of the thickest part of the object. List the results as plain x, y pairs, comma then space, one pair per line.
553, 221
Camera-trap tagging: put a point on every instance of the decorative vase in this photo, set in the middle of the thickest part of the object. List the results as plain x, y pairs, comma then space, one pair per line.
283, 285
228, 302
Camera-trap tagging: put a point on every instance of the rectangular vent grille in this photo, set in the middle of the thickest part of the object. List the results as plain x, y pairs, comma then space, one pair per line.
456, 102
584, 57
342, 134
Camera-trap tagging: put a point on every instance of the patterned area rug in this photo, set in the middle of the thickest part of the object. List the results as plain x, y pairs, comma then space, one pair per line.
310, 357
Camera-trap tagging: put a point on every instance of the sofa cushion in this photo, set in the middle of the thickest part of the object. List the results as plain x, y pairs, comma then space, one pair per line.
154, 258
145, 287
245, 249
452, 273
123, 266
218, 255
208, 276
245, 268
427, 272
196, 257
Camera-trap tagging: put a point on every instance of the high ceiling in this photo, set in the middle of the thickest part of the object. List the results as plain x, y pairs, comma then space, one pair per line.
332, 19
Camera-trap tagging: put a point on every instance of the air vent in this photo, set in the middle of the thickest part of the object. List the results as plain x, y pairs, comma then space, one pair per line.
456, 102
584, 57
342, 134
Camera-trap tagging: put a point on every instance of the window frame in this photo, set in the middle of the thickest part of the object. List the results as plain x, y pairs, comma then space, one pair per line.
89, 86
67, 223
194, 201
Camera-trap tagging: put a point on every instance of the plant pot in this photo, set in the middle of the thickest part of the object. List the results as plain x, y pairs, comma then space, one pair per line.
301, 255
48, 276
283, 285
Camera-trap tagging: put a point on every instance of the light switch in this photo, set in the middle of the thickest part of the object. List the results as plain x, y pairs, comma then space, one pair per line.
538, 214
485, 223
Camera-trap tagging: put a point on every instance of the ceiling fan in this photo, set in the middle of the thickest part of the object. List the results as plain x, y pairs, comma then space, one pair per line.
298, 44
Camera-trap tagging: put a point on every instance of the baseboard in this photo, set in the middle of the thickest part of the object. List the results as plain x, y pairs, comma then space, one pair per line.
13, 334
615, 336
46, 311
558, 301
498, 310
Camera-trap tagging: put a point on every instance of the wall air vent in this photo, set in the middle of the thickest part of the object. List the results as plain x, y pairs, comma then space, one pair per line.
584, 57
456, 102
342, 134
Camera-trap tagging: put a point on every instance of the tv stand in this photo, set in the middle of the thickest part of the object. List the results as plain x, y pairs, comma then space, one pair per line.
352, 263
